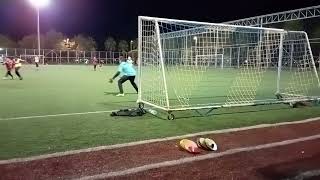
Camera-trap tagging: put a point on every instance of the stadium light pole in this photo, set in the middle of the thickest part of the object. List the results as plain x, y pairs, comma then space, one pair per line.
39, 4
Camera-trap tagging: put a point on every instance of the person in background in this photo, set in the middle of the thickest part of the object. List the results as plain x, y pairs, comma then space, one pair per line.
95, 63
37, 60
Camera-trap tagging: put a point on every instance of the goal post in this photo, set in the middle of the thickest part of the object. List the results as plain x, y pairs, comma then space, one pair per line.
185, 65
297, 59
162, 65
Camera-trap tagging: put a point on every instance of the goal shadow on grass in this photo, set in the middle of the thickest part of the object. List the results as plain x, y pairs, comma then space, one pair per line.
115, 93
180, 115
304, 168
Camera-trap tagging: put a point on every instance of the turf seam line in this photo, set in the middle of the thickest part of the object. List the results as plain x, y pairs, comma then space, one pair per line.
115, 146
198, 158
56, 115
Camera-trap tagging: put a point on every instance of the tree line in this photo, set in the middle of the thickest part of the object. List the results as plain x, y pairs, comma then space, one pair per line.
57, 40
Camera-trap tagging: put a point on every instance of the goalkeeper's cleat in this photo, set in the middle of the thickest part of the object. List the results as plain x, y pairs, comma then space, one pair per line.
120, 95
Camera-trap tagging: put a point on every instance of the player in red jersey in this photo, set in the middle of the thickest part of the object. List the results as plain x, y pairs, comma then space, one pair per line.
9, 63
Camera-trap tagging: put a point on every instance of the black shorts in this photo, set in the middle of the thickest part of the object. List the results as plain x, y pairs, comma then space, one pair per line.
125, 78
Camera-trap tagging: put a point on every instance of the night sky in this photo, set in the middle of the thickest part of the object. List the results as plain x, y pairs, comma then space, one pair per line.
118, 18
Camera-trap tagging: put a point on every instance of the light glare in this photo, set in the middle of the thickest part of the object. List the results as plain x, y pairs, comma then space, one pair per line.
39, 3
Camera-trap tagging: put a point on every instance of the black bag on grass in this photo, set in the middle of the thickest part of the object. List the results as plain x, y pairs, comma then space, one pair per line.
129, 112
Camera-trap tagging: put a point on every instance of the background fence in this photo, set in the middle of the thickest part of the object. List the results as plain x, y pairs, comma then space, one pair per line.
51, 56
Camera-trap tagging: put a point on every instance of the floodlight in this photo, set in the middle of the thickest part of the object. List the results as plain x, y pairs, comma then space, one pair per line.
40, 3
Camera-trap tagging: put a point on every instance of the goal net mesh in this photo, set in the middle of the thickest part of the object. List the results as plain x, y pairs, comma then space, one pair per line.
192, 65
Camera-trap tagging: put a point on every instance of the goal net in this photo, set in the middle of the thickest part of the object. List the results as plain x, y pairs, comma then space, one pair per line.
193, 65
31, 58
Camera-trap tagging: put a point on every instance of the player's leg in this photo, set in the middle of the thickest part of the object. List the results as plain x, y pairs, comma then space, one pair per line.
6, 75
95, 67
131, 78
120, 82
17, 73
9, 74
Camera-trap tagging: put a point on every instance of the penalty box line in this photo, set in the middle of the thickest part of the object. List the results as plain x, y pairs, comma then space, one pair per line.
56, 115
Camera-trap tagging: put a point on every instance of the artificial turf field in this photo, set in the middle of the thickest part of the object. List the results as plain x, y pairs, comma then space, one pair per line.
69, 89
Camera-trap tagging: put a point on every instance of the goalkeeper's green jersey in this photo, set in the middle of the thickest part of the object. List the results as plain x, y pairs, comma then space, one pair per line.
127, 69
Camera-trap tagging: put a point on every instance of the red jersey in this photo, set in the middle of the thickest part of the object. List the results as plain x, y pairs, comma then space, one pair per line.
9, 64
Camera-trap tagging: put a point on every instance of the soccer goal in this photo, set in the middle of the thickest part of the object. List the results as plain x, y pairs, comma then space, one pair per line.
31, 58
186, 65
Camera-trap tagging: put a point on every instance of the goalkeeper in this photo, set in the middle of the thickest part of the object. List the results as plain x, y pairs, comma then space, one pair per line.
128, 72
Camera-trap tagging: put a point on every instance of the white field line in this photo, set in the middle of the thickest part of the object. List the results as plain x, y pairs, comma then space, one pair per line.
198, 158
99, 148
56, 115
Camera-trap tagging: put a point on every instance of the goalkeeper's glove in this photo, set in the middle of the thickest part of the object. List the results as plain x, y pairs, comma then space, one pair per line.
111, 80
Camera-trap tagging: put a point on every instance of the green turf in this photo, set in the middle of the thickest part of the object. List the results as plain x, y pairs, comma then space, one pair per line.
73, 89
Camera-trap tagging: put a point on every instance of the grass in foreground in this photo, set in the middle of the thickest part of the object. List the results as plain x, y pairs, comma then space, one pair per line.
70, 89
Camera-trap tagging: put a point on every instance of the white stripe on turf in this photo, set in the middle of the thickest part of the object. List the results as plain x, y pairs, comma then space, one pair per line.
198, 158
56, 115
99, 148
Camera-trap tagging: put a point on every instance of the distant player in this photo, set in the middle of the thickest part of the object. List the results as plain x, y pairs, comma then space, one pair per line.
17, 67
318, 64
36, 61
95, 63
9, 63
128, 72
86, 61
1, 59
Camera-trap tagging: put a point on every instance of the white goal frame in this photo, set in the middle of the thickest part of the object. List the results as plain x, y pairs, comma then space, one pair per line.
257, 50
